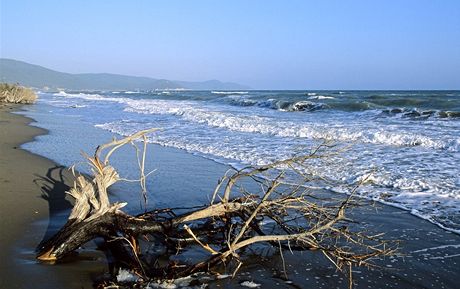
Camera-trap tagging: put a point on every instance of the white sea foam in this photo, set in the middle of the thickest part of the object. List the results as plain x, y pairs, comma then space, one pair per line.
445, 257
229, 92
241, 99
125, 276
215, 117
455, 246
94, 96
265, 125
250, 284
61, 93
414, 164
321, 97
428, 195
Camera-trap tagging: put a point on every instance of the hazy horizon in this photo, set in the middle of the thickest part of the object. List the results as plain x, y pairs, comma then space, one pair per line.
362, 45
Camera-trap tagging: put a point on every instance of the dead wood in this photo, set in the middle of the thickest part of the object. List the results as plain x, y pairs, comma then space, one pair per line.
279, 215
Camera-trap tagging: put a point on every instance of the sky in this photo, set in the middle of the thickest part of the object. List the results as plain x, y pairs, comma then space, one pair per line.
390, 44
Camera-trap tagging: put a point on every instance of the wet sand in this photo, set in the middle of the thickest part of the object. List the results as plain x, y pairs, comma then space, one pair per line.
32, 188
33, 206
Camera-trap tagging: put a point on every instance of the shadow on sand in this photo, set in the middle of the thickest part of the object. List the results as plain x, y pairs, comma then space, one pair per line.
53, 188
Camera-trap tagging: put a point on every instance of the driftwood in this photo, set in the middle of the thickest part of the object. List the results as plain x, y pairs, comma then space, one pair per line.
283, 216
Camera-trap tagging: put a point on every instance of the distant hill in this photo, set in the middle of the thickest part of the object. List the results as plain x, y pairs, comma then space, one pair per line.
14, 71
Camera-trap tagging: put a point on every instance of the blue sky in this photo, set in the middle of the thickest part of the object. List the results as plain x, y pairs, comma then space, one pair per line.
400, 44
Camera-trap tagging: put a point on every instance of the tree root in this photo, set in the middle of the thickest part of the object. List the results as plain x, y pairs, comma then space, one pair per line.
280, 215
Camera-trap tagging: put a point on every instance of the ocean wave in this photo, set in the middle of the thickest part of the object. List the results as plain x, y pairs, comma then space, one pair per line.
449, 114
77, 106
61, 93
268, 126
321, 97
303, 105
229, 92
92, 96
242, 98
217, 117
283, 105
351, 106
280, 105
414, 163
420, 114
431, 196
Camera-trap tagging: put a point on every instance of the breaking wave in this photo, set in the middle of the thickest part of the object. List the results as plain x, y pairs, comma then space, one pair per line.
229, 92
218, 117
411, 146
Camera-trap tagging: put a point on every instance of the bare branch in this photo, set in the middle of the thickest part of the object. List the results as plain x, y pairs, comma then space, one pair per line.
285, 216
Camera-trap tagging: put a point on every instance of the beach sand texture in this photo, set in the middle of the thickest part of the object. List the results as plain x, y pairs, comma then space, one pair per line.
33, 189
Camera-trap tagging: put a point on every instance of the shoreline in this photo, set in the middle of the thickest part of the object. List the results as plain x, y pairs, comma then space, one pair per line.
32, 189
430, 253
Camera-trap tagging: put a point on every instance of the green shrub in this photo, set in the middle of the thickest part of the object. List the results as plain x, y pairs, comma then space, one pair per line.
14, 93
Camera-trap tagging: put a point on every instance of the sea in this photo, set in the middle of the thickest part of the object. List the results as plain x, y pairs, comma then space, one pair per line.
404, 144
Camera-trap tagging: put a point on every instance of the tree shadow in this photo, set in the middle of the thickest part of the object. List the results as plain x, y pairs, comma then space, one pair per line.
53, 188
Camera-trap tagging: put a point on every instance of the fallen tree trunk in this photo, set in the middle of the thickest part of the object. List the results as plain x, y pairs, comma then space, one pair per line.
114, 222
288, 216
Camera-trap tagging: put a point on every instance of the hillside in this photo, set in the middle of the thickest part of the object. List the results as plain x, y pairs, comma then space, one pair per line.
14, 71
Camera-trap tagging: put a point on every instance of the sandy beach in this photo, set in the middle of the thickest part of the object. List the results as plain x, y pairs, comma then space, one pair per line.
34, 205
242, 144
32, 188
